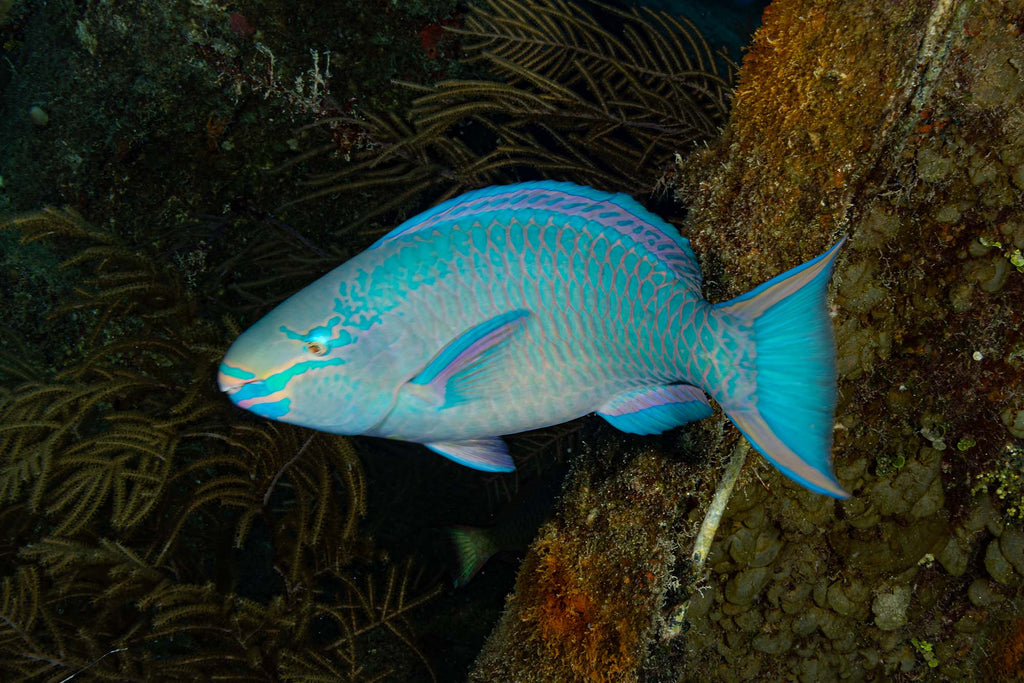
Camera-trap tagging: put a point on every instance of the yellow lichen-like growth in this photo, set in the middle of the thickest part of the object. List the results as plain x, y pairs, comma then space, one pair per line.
804, 121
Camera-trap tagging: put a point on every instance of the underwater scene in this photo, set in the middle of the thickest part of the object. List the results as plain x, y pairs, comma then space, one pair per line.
511, 340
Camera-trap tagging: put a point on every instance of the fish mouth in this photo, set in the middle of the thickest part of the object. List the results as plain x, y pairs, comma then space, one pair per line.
230, 384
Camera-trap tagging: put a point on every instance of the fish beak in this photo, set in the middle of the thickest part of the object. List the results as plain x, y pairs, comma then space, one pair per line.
230, 384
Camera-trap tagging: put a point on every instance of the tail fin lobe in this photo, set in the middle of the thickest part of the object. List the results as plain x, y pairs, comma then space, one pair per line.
473, 547
789, 415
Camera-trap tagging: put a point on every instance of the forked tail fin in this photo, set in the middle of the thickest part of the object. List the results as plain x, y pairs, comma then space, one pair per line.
788, 409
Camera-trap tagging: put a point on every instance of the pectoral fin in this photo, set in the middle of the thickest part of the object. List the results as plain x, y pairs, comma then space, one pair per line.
461, 371
652, 410
488, 454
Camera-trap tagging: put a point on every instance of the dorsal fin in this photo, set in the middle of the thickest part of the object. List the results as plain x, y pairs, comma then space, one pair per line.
617, 212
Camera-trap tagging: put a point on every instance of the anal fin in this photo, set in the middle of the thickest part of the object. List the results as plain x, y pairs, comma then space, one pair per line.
652, 410
489, 454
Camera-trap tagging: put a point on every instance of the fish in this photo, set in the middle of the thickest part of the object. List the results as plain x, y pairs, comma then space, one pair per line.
512, 531
520, 306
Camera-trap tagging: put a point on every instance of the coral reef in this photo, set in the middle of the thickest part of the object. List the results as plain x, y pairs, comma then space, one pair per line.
153, 532
594, 578
900, 127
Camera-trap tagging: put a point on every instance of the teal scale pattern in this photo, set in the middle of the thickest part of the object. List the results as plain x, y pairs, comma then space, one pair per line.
606, 317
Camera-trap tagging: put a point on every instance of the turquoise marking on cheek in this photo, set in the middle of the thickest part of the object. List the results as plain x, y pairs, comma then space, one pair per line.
344, 338
361, 279
237, 373
323, 334
273, 410
279, 380
366, 321
249, 392
291, 334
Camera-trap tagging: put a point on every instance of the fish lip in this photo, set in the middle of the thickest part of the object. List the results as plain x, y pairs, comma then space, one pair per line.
232, 385
233, 388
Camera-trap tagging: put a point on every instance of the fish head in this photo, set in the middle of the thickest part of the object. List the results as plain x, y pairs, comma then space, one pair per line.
299, 366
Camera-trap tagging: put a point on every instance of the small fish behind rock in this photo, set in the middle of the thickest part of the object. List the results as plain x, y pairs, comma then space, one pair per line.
512, 530
516, 307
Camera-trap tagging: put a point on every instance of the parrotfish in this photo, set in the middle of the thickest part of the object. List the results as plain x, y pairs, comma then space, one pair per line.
521, 306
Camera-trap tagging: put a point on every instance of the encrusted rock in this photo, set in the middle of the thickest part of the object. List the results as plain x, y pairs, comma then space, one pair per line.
772, 644
807, 622
932, 500
743, 587
953, 557
933, 166
999, 568
984, 593
891, 608
1011, 546
1013, 420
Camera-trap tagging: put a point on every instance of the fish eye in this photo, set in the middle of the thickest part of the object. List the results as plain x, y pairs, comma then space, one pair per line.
316, 348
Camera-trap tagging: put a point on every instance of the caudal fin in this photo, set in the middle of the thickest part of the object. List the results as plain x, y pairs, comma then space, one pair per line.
788, 409
473, 547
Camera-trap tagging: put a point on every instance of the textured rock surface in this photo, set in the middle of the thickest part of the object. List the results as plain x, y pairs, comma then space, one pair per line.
840, 128
899, 125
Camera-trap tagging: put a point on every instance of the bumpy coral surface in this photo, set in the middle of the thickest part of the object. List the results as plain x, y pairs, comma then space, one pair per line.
900, 126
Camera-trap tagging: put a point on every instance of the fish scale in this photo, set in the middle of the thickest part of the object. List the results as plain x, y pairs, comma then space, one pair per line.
521, 306
548, 341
